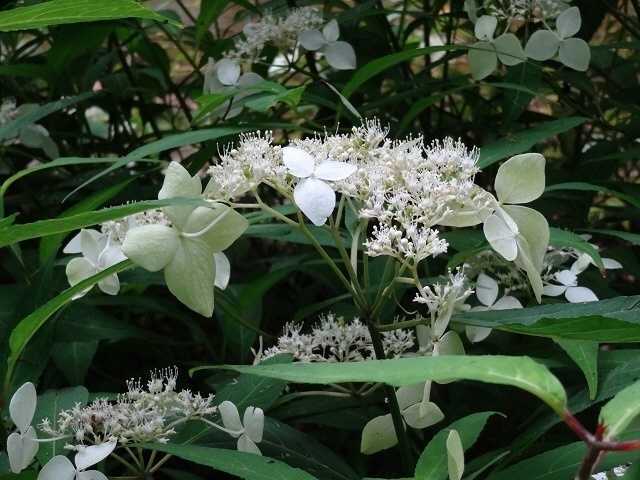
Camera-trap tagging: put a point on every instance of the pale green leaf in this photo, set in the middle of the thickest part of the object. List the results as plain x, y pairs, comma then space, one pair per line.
534, 228
59, 12
151, 246
455, 455
378, 434
482, 60
485, 27
501, 237
509, 49
191, 275
542, 45
220, 226
340, 55
575, 53
521, 372
520, 179
568, 22
433, 464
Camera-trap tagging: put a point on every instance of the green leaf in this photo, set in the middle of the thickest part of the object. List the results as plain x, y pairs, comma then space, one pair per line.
629, 237
27, 328
563, 238
585, 354
41, 112
432, 464
379, 65
244, 465
618, 413
523, 141
59, 12
168, 143
615, 320
50, 404
290, 97
42, 228
593, 188
74, 359
521, 372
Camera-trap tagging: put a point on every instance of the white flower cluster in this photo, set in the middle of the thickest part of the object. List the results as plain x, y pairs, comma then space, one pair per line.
137, 416
334, 341
281, 31
526, 10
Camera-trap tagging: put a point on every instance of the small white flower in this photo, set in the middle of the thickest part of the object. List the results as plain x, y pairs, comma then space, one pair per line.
313, 196
249, 432
61, 468
340, 55
99, 253
22, 445
569, 286
487, 293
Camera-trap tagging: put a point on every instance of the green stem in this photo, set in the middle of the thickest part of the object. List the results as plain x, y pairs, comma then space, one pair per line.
394, 407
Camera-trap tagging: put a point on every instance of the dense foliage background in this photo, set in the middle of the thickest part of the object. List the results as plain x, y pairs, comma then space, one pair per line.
92, 111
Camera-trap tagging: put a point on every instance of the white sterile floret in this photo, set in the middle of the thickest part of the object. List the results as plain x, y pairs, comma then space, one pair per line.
315, 198
569, 286
340, 55
61, 468
22, 445
487, 293
249, 431
99, 253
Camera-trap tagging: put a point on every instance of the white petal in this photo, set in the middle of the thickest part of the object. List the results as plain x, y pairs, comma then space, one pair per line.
316, 199
554, 290
179, 183
74, 244
23, 406
299, 162
455, 455
223, 270
249, 80
580, 294
410, 395
110, 285
567, 278
94, 454
228, 71
254, 423
91, 475
520, 179
112, 255
312, 39
79, 269
500, 237
58, 468
507, 303
486, 289
90, 246
610, 263
14, 452
331, 31
449, 344
231, 418
245, 444
330, 170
